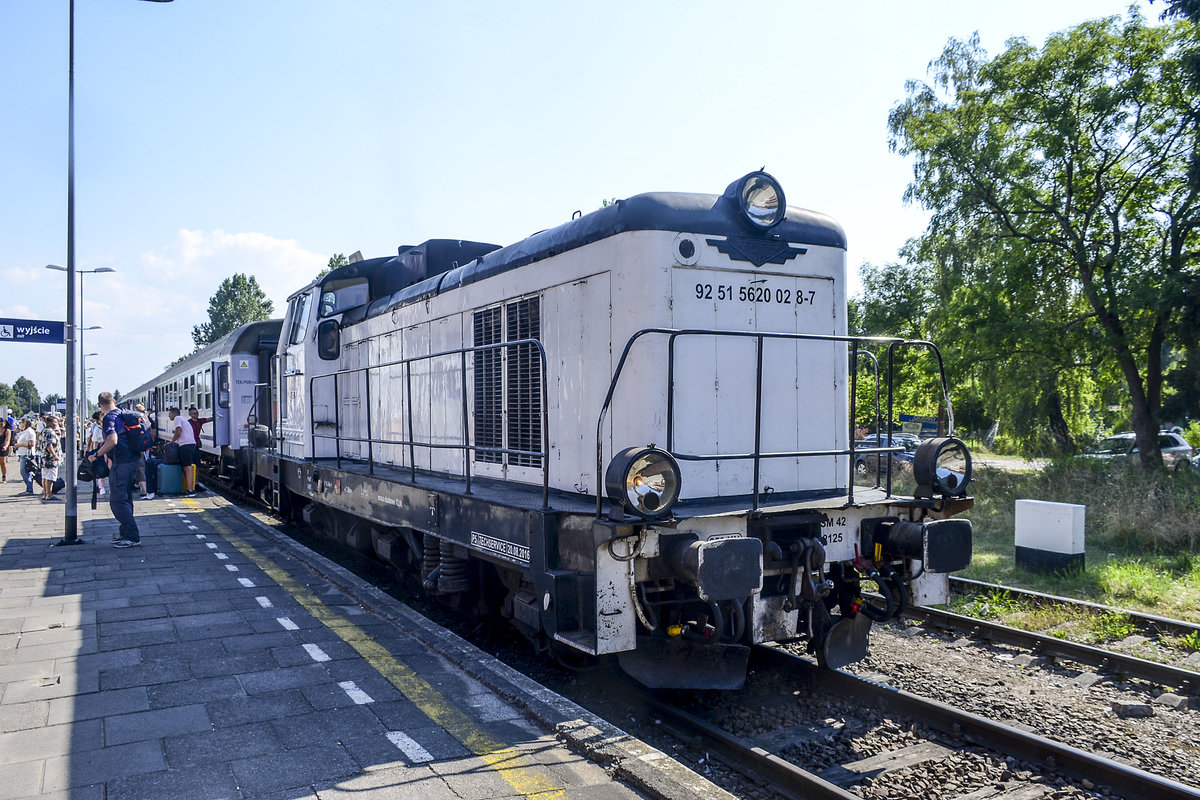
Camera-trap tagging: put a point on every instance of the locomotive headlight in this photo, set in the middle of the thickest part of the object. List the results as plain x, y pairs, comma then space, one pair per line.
761, 200
942, 466
644, 480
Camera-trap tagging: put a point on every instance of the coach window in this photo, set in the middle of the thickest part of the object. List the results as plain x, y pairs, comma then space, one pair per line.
300, 308
223, 386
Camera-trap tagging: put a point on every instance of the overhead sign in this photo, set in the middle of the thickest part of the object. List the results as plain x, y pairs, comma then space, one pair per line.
32, 330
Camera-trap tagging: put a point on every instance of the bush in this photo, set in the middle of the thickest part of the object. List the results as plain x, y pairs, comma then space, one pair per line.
1128, 509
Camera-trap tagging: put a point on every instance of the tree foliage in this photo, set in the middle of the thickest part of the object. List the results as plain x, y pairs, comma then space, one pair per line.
336, 260
8, 398
27, 397
1065, 220
238, 300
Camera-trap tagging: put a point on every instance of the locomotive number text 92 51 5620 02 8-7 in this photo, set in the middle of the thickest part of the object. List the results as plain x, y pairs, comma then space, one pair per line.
755, 294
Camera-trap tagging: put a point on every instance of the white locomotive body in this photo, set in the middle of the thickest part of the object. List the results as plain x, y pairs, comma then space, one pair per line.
630, 434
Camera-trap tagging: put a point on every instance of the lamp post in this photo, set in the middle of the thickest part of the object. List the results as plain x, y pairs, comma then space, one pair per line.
71, 515
82, 407
84, 380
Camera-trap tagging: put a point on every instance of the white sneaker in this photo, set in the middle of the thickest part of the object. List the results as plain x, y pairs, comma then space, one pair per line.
102, 492
149, 496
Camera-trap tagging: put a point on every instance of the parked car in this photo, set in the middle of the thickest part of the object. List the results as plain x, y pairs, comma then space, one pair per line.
1176, 452
864, 463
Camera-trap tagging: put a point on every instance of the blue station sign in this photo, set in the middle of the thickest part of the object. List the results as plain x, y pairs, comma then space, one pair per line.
32, 330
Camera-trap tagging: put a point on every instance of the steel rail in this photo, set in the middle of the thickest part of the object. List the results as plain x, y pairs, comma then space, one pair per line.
1126, 780
750, 760
1130, 666
1176, 626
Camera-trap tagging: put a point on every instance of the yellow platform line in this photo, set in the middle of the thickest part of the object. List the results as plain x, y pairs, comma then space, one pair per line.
515, 769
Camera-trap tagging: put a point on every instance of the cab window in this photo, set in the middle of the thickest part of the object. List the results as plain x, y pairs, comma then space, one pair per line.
300, 308
339, 296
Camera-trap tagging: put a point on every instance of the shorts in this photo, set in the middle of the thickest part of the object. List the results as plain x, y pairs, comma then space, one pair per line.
50, 474
189, 455
3, 452
139, 473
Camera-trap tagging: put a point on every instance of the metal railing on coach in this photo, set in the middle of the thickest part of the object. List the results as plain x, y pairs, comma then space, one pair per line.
412, 442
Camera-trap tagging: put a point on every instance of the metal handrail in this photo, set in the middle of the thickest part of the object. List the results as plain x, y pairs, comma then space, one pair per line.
412, 443
756, 455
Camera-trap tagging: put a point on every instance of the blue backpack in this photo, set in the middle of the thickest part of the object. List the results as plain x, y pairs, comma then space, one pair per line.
137, 437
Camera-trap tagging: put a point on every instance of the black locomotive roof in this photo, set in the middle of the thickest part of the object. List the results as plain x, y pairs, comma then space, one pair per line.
654, 211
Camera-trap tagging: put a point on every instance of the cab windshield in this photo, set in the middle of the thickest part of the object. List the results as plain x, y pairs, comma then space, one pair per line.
339, 296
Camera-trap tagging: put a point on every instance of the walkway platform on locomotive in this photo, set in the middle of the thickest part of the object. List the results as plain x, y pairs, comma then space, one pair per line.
220, 659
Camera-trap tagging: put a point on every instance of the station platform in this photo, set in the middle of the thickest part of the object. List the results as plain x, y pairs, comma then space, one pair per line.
221, 659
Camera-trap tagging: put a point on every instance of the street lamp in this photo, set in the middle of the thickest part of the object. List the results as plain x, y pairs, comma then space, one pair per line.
81, 272
84, 384
71, 515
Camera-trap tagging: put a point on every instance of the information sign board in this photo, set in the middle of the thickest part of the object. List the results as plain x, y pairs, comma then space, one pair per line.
32, 330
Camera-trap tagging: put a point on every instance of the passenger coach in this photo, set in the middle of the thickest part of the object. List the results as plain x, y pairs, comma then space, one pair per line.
228, 383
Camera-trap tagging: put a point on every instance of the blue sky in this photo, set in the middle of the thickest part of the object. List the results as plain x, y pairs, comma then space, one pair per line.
262, 136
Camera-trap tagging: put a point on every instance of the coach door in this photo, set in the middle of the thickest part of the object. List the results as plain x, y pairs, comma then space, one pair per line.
221, 395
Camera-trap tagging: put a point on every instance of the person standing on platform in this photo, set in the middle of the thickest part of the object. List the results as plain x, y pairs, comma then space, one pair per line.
140, 477
197, 423
189, 455
122, 468
95, 438
49, 444
6, 442
26, 441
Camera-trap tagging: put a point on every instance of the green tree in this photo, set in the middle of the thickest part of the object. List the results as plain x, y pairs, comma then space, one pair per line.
336, 260
27, 395
238, 300
8, 398
1073, 162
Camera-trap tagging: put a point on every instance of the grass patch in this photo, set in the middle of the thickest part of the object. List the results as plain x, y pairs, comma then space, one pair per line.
1142, 535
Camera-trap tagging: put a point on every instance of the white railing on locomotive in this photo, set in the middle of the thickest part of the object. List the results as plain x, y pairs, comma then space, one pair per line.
757, 455
412, 443
879, 452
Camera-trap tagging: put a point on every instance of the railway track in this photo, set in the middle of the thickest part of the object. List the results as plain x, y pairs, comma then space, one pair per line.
935, 739
1148, 623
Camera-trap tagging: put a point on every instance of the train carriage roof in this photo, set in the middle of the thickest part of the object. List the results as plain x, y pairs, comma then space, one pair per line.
249, 338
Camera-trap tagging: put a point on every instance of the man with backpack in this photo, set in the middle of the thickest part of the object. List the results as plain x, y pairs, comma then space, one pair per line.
123, 449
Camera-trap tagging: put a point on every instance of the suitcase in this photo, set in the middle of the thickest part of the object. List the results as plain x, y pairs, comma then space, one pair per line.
170, 478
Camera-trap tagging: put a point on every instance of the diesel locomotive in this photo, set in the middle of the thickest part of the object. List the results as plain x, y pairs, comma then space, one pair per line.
630, 435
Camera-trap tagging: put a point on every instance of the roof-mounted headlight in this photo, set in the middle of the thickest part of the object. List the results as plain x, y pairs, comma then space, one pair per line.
760, 200
645, 480
942, 466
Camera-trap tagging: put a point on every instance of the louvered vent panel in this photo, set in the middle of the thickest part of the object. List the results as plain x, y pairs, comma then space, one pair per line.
489, 387
524, 382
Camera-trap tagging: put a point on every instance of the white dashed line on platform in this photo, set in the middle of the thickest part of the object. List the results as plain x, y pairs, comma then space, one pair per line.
249, 584
287, 624
356, 694
410, 748
316, 652
265, 602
